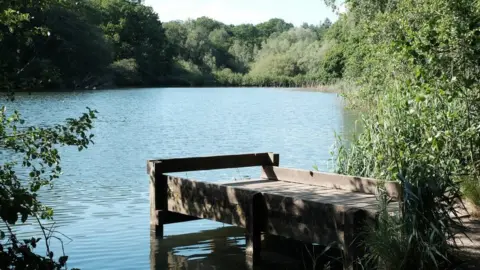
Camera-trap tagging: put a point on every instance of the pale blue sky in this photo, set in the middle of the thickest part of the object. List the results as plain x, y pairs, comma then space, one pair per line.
243, 11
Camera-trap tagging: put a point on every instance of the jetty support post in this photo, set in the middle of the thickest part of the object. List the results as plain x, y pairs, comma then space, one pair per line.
354, 228
158, 198
255, 220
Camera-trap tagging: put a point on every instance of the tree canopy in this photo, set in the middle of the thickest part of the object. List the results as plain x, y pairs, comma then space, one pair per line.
116, 43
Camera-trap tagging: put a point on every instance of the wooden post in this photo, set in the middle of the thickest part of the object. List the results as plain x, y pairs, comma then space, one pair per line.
254, 227
275, 158
354, 249
158, 198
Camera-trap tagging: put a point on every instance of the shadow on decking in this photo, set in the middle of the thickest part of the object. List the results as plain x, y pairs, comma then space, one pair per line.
305, 206
281, 218
470, 246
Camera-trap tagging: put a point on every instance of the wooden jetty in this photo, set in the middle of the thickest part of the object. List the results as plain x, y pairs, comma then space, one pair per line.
304, 205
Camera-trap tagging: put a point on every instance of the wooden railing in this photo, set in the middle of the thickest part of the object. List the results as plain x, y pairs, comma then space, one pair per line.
158, 168
214, 162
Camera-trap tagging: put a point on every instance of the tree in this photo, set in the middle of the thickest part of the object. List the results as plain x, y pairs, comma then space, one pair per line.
77, 48
47, 53
176, 33
248, 34
197, 44
283, 55
18, 29
220, 38
274, 25
207, 23
136, 32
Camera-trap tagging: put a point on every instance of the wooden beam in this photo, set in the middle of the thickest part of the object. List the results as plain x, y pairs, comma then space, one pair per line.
172, 217
216, 162
330, 180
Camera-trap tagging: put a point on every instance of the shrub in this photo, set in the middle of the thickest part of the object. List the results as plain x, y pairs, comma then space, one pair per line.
125, 73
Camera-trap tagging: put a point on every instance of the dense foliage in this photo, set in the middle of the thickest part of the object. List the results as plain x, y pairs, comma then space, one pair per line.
108, 43
274, 53
31, 35
416, 63
80, 44
33, 162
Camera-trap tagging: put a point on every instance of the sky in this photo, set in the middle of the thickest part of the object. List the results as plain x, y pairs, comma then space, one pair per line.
243, 11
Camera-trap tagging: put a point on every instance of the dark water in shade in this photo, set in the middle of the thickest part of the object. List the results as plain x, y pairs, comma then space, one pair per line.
101, 201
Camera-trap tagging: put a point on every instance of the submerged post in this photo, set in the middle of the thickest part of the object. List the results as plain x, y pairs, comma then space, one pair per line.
255, 222
158, 197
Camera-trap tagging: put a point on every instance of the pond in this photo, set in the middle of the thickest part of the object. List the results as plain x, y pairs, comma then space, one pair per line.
101, 202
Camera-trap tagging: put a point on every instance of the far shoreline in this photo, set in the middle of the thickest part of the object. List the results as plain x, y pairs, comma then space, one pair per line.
332, 88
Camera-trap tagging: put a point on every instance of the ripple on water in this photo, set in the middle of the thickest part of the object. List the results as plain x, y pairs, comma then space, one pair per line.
101, 201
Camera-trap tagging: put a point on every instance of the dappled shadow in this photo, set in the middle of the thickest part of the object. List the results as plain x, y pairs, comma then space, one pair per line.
209, 200
311, 215
306, 206
333, 181
470, 244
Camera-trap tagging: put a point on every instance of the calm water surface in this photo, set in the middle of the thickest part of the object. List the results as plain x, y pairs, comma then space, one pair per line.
101, 202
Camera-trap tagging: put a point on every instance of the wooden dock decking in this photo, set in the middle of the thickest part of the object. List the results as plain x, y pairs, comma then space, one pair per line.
309, 206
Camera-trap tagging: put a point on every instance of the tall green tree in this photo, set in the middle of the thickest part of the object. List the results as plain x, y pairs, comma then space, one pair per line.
137, 33
50, 44
272, 26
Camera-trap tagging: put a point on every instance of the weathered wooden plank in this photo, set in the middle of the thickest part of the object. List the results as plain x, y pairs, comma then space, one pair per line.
304, 211
248, 183
209, 200
310, 193
350, 183
210, 192
216, 162
303, 232
234, 214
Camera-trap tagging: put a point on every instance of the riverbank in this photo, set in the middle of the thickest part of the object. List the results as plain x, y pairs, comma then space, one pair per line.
337, 88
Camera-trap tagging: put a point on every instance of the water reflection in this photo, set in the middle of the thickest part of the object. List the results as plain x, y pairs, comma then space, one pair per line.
221, 248
224, 248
